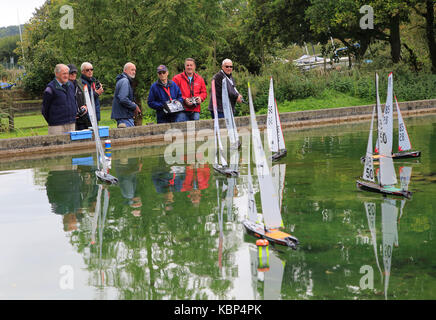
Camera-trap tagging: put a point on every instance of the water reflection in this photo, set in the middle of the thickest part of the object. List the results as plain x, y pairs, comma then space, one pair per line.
69, 191
389, 218
127, 170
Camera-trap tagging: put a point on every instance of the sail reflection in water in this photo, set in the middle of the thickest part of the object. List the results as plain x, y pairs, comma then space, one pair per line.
389, 218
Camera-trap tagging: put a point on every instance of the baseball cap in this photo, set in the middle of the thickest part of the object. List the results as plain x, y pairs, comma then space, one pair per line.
72, 68
162, 68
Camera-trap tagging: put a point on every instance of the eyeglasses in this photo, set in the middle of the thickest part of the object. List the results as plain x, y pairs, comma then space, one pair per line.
161, 72
91, 69
229, 67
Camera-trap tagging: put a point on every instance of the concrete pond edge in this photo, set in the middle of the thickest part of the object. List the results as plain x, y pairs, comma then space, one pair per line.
37, 146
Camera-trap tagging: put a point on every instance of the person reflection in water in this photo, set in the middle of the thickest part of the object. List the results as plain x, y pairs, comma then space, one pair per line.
196, 179
168, 182
127, 170
63, 193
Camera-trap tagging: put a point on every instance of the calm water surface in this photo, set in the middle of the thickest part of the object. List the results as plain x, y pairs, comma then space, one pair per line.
175, 232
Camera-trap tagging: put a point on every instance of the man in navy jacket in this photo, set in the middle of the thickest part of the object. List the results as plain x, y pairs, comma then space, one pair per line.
124, 107
59, 104
162, 91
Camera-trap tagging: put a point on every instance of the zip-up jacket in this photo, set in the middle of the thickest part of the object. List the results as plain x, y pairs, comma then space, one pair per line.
157, 98
59, 104
194, 88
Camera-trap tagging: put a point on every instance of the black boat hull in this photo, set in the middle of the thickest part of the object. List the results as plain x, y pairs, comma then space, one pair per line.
373, 187
398, 155
278, 155
273, 235
226, 171
106, 177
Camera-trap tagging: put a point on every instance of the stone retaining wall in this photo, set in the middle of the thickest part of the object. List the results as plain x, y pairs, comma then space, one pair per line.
40, 145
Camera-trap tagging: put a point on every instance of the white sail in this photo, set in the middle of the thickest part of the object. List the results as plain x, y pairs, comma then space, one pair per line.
387, 171
379, 117
271, 120
386, 140
274, 129
371, 216
228, 115
269, 198
403, 136
390, 236
279, 129
368, 170
101, 160
219, 150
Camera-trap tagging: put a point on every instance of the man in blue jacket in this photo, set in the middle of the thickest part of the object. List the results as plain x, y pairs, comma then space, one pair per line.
162, 91
59, 103
124, 107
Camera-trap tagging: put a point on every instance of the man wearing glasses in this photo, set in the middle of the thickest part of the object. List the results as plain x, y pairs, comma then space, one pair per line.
234, 96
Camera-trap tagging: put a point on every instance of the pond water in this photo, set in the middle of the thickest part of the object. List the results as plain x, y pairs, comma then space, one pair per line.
175, 232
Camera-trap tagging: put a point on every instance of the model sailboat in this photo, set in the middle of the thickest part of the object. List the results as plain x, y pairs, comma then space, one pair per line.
274, 128
102, 171
387, 176
272, 219
404, 144
220, 164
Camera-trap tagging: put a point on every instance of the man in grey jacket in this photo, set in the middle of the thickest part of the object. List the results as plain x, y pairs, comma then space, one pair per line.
124, 107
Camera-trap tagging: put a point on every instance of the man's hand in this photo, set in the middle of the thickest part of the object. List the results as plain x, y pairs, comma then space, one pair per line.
188, 101
99, 90
137, 111
239, 100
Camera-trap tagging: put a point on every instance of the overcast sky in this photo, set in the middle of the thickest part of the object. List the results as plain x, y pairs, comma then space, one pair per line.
8, 11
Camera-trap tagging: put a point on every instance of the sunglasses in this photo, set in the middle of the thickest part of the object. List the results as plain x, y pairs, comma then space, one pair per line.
161, 72
87, 70
229, 67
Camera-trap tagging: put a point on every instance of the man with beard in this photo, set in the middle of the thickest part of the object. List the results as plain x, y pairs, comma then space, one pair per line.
124, 108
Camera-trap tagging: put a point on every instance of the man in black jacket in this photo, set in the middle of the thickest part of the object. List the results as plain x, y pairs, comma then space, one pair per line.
82, 119
234, 96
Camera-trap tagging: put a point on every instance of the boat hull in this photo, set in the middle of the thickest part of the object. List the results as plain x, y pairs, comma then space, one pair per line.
106, 177
272, 235
278, 155
225, 171
398, 155
373, 187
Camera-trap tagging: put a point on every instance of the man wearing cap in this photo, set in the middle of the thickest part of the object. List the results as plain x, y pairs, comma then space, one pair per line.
162, 91
58, 103
193, 90
124, 107
234, 96
82, 119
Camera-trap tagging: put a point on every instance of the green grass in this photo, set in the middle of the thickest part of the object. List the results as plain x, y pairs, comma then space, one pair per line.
327, 99
30, 125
